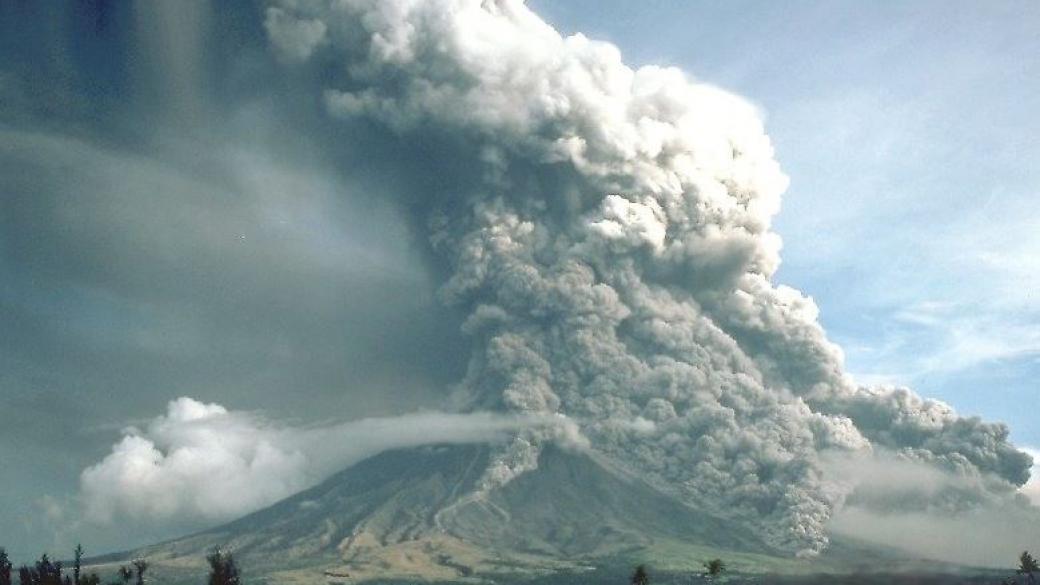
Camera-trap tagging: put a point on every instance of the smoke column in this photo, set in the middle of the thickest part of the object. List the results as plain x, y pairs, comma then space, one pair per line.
607, 230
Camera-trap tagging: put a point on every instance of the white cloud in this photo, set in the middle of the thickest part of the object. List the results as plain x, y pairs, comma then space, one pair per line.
1032, 489
965, 336
928, 318
986, 536
203, 462
935, 511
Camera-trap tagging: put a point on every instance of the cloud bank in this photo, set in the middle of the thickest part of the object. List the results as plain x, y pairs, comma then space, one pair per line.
203, 462
608, 231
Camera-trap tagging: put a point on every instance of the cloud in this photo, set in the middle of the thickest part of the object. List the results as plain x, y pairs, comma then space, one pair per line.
295, 39
1032, 488
203, 462
989, 536
931, 509
959, 336
608, 229
142, 276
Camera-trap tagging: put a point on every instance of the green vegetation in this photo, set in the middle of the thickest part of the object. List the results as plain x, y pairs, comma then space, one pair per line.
48, 572
714, 568
223, 571
140, 566
5, 568
678, 556
639, 577
1027, 567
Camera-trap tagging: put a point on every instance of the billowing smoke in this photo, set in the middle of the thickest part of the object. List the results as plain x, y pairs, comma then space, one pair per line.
1032, 489
202, 462
608, 230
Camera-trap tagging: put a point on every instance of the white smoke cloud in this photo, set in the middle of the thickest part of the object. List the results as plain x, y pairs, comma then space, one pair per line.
612, 242
929, 509
203, 462
1032, 488
985, 536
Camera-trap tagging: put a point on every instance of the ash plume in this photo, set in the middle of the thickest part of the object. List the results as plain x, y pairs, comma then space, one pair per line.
607, 229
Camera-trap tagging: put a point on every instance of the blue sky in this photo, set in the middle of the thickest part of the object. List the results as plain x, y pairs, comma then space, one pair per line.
910, 133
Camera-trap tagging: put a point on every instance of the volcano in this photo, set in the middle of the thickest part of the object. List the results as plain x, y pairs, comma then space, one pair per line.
417, 513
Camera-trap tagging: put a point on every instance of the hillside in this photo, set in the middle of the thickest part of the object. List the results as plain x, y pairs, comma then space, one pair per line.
408, 515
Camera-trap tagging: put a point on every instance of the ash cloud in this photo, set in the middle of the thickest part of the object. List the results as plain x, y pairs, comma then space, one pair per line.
608, 231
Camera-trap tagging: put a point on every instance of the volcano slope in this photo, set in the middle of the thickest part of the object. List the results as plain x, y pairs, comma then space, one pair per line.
415, 514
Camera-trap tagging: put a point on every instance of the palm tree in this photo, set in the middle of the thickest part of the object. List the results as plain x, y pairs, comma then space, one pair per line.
640, 577
1028, 566
140, 565
223, 570
5, 568
43, 572
77, 564
714, 568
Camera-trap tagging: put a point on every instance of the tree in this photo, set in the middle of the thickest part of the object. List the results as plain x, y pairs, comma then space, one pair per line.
44, 572
714, 567
140, 565
77, 564
1028, 566
5, 568
223, 570
640, 577
125, 574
